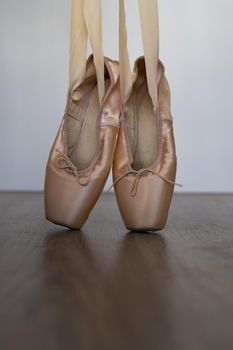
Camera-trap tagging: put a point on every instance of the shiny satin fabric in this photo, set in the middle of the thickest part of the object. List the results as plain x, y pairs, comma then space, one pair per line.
144, 196
147, 208
69, 194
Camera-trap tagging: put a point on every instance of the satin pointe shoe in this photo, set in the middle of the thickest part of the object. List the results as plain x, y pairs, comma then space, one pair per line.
144, 168
82, 154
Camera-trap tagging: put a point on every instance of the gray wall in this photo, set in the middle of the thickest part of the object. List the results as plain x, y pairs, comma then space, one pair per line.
196, 47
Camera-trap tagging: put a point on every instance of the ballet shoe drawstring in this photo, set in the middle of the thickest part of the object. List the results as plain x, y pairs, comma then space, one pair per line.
138, 175
63, 162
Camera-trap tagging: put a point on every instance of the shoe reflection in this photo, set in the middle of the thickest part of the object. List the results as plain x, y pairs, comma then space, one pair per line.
108, 287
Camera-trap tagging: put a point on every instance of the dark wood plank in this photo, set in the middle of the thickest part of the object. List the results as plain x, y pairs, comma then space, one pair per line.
105, 288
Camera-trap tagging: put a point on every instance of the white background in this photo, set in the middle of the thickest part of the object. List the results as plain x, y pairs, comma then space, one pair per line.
196, 48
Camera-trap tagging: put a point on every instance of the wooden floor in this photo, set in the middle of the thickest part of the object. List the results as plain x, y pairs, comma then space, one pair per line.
105, 288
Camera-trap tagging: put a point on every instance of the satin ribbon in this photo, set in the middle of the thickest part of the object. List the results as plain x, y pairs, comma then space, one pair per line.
150, 36
86, 21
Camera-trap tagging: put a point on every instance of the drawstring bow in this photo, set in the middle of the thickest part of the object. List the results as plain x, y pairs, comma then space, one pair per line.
137, 176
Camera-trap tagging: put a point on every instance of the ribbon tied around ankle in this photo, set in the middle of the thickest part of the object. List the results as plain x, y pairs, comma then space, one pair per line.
137, 176
63, 162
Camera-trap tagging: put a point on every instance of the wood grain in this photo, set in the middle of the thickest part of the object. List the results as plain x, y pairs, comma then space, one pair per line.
106, 288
